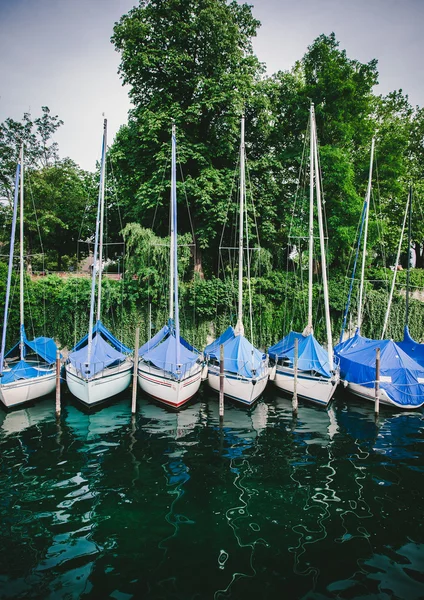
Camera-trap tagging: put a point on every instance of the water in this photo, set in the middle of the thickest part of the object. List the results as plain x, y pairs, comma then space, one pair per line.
171, 506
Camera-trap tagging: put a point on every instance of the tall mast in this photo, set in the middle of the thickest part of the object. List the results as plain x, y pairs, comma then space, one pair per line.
10, 268
364, 252
323, 255
239, 326
309, 328
96, 246
392, 288
174, 237
171, 242
102, 213
21, 258
409, 257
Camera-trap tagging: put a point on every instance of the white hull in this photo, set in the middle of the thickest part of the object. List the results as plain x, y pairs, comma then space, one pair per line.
242, 389
18, 392
162, 386
316, 389
369, 394
103, 385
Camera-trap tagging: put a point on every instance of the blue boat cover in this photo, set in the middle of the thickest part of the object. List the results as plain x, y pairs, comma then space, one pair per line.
43, 347
240, 356
279, 350
412, 348
213, 348
156, 339
102, 355
311, 356
164, 355
21, 370
401, 377
161, 335
107, 335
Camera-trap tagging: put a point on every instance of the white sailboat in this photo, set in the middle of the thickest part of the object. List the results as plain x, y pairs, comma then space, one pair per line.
317, 376
170, 368
28, 370
245, 367
99, 366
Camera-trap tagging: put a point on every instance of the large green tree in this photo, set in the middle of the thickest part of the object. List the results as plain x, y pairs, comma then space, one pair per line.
188, 61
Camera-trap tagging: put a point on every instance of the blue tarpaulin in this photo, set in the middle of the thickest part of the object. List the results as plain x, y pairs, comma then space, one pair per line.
412, 348
105, 351
279, 350
164, 356
401, 377
43, 347
22, 370
213, 348
311, 355
107, 335
156, 339
240, 356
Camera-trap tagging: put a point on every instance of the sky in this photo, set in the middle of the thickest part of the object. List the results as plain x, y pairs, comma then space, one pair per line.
57, 53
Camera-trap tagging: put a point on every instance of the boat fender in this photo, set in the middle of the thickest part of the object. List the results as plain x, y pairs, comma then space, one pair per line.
204, 372
272, 372
345, 383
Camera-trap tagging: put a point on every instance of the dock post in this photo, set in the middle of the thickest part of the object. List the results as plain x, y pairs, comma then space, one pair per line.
296, 358
221, 381
134, 387
377, 382
57, 383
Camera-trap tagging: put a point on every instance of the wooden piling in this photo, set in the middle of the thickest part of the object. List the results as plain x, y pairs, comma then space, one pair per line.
377, 382
296, 358
221, 381
135, 372
57, 383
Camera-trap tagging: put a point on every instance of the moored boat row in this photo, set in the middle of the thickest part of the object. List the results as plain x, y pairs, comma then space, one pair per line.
171, 370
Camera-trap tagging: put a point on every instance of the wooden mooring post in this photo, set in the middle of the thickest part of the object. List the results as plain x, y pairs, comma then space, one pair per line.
296, 359
221, 381
377, 382
135, 372
57, 383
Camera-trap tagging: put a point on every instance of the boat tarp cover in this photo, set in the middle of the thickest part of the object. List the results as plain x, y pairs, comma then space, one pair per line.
213, 347
311, 356
279, 350
102, 355
240, 357
401, 377
156, 339
43, 347
22, 370
107, 335
412, 348
164, 356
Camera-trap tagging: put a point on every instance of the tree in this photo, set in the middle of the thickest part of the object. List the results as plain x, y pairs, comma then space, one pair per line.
39, 149
190, 61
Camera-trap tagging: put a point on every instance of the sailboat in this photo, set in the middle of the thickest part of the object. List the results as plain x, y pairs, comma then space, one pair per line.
99, 366
28, 370
401, 377
317, 377
245, 367
414, 349
169, 368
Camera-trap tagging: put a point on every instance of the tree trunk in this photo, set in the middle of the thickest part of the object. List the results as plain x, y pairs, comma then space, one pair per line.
198, 267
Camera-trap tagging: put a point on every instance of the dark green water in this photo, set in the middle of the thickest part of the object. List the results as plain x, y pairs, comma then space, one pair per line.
171, 506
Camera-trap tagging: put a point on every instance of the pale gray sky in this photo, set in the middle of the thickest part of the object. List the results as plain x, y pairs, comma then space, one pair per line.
57, 53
